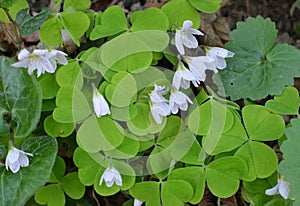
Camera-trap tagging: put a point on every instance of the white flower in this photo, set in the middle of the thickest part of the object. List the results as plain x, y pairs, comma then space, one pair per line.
137, 202
34, 61
198, 66
159, 111
219, 55
100, 105
282, 188
54, 56
159, 104
179, 100
156, 95
15, 159
183, 76
111, 176
185, 37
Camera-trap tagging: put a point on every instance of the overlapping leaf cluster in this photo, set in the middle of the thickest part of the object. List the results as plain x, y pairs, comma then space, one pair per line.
215, 143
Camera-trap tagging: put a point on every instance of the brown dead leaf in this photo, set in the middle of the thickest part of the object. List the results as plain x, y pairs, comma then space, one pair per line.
222, 29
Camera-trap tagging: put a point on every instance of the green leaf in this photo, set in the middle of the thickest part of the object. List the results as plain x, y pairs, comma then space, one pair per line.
133, 51
257, 63
29, 24
255, 190
207, 6
223, 175
102, 138
58, 170
7, 3
88, 167
50, 32
77, 5
70, 75
51, 195
261, 124
13, 10
193, 175
261, 160
180, 10
286, 103
216, 143
16, 189
122, 90
48, 85
176, 192
289, 166
4, 127
148, 192
72, 105
57, 129
21, 96
128, 149
113, 21
210, 117
72, 186
149, 19
76, 23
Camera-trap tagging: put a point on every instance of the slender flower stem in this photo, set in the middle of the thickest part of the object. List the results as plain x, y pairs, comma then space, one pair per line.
13, 24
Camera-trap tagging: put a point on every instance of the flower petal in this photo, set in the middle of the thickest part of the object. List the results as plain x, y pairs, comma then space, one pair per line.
272, 191
23, 160
179, 44
284, 189
24, 53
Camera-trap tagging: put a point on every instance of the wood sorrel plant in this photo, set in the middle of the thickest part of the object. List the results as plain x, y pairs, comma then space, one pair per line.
137, 126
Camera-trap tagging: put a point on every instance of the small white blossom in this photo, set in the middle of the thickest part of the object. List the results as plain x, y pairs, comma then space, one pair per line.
15, 159
54, 56
184, 37
282, 188
183, 77
159, 104
159, 111
111, 176
101, 107
179, 100
219, 55
156, 95
137, 202
34, 61
198, 66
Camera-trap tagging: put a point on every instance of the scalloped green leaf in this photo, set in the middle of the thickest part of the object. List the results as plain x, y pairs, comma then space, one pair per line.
48, 85
70, 75
176, 192
193, 175
148, 20
260, 158
261, 124
72, 105
113, 21
101, 138
16, 189
50, 32
76, 23
180, 10
72, 186
21, 96
286, 103
148, 192
210, 117
7, 3
207, 6
133, 51
122, 90
77, 5
257, 62
289, 166
52, 195
223, 175
57, 129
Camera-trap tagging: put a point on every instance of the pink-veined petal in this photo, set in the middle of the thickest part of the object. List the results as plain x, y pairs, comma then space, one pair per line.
24, 53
